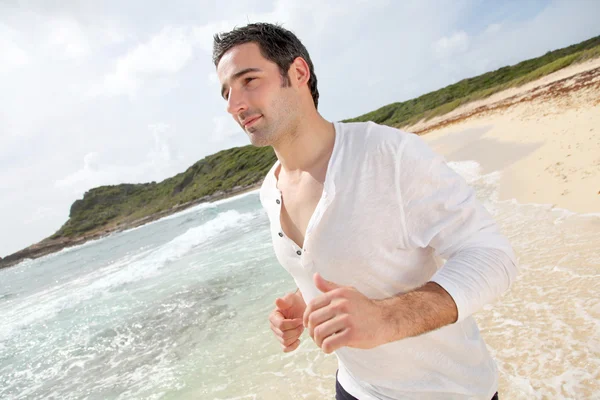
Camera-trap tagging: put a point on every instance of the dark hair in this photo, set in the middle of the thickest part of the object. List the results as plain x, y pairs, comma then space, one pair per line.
276, 44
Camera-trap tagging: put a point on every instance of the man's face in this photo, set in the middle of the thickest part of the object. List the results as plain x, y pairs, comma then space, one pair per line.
256, 98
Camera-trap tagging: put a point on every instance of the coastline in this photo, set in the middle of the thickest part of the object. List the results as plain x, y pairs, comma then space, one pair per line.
542, 136
48, 246
543, 139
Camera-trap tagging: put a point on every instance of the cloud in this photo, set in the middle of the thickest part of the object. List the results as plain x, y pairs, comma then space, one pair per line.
87, 83
90, 161
40, 214
68, 36
90, 176
161, 155
225, 129
98, 169
308, 18
493, 28
88, 173
166, 53
12, 55
110, 33
449, 46
213, 79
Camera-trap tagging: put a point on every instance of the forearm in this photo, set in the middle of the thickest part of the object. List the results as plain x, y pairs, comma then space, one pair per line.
417, 312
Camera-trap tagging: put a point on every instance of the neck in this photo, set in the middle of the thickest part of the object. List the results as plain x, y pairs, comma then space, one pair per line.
312, 141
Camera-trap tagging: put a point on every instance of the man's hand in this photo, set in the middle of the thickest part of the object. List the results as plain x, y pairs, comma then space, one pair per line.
286, 320
342, 316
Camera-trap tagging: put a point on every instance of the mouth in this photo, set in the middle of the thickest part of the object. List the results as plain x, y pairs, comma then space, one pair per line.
251, 121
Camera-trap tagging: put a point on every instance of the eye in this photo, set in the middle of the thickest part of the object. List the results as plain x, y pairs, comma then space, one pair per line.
248, 80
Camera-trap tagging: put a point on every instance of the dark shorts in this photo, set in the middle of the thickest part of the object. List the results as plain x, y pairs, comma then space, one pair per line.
341, 394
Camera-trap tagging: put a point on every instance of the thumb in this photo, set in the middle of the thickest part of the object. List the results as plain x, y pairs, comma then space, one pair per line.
283, 303
324, 285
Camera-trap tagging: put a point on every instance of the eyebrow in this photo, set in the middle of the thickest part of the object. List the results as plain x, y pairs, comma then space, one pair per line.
237, 75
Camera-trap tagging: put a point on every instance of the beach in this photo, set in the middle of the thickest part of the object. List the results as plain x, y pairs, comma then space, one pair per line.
544, 137
539, 146
177, 308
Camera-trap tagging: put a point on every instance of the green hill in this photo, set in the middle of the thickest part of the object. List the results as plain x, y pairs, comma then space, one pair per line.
241, 167
222, 172
447, 99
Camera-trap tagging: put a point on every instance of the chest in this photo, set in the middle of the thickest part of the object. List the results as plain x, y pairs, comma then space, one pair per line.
299, 201
354, 237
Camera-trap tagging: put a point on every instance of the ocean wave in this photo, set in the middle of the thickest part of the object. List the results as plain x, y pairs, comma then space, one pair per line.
234, 198
470, 170
150, 264
48, 303
194, 209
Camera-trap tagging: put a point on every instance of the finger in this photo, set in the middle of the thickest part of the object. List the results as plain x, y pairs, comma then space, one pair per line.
286, 340
278, 333
283, 303
290, 341
335, 342
323, 284
328, 328
315, 304
291, 347
318, 317
276, 318
286, 324
293, 333
275, 315
289, 334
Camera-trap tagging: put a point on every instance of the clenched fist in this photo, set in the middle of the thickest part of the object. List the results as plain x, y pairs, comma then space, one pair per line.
342, 316
286, 320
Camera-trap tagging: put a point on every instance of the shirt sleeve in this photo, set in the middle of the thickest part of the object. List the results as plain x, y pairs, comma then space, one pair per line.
441, 211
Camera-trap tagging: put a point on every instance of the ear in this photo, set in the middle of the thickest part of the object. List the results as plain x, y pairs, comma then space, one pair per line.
299, 72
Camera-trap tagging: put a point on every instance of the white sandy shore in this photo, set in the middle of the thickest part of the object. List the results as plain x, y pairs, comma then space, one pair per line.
544, 137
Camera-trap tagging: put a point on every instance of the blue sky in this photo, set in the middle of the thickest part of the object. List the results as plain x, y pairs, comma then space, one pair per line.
108, 92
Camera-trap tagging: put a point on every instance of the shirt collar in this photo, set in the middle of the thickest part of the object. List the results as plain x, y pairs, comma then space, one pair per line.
328, 186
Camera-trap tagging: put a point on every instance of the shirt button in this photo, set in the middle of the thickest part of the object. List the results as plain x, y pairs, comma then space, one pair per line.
277, 201
280, 234
299, 252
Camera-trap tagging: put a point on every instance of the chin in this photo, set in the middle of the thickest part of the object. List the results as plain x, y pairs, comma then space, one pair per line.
258, 140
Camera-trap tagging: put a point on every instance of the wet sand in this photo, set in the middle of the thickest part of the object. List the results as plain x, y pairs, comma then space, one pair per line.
513, 148
540, 146
543, 137
533, 156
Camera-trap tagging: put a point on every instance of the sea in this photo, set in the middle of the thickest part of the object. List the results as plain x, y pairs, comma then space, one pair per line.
178, 309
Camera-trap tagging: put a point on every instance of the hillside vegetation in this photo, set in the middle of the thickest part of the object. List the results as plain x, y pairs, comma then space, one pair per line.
118, 204
241, 167
447, 99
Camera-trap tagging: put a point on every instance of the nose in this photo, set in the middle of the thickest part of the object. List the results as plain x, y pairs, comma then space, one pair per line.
235, 103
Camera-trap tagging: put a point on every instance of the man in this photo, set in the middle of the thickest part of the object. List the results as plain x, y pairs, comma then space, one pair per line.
361, 216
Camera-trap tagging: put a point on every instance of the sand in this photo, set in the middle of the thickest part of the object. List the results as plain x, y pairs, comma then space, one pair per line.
540, 145
543, 137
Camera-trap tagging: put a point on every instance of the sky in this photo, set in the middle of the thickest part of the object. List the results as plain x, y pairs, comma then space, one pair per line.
95, 93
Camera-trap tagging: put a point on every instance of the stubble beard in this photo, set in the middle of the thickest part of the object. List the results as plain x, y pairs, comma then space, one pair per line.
260, 137
273, 134
272, 131
281, 125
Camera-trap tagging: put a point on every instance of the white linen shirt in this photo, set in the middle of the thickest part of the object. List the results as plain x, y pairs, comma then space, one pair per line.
390, 213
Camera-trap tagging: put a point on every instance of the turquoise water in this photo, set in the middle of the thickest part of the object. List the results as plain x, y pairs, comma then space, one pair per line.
177, 309
146, 313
